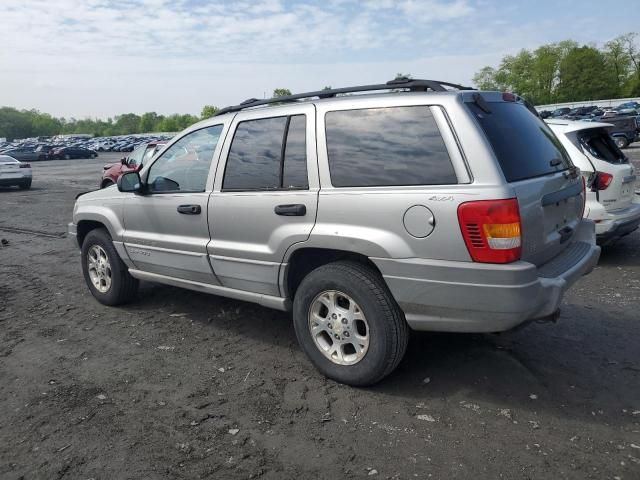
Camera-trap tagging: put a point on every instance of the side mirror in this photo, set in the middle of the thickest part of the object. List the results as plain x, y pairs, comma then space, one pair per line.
130, 182
123, 160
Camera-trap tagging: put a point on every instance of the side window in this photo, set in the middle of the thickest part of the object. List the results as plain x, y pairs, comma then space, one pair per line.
184, 166
135, 157
295, 155
386, 146
267, 154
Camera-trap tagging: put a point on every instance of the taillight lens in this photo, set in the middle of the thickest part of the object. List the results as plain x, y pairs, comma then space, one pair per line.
492, 230
25, 165
509, 97
603, 180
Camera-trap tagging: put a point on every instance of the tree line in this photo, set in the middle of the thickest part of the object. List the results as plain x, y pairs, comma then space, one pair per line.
568, 72
15, 124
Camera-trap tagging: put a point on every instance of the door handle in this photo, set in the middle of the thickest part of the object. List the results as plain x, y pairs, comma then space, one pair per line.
190, 209
294, 210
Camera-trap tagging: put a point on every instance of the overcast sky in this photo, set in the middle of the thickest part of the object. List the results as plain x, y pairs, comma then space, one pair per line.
98, 58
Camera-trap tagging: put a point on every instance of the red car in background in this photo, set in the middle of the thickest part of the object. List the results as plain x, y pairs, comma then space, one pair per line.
132, 163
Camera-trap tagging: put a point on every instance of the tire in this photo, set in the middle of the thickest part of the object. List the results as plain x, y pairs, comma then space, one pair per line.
621, 142
106, 183
386, 327
25, 185
93, 155
123, 287
67, 156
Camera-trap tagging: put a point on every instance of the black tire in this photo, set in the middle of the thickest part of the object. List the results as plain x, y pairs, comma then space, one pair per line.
93, 155
25, 185
123, 286
106, 183
621, 142
388, 329
67, 156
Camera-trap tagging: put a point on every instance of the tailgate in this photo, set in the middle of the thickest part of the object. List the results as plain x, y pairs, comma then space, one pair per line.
538, 169
550, 212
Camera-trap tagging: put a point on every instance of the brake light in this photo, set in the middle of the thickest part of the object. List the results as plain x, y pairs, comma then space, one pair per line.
603, 180
491, 230
509, 97
25, 165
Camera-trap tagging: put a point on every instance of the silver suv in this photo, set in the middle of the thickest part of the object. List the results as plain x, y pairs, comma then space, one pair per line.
430, 207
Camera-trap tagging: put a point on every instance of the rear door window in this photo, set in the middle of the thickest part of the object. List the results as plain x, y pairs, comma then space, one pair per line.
268, 154
600, 145
394, 146
523, 144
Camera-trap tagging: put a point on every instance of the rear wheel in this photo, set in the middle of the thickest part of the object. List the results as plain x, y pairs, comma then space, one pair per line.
348, 323
621, 142
104, 272
93, 155
25, 185
67, 156
106, 183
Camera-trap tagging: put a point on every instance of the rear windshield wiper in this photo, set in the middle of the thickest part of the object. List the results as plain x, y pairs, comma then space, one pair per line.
481, 103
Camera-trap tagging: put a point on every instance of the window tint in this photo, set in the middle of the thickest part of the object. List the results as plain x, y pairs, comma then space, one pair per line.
257, 159
599, 144
523, 144
295, 154
386, 146
185, 165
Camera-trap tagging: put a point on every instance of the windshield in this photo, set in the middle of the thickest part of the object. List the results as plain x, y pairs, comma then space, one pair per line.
523, 144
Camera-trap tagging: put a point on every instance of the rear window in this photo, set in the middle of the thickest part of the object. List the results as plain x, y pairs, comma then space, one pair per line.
386, 146
523, 144
600, 145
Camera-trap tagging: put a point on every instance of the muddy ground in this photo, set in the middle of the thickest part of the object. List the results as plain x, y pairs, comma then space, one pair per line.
185, 385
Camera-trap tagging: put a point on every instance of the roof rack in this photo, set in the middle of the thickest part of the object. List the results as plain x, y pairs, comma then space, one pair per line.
401, 83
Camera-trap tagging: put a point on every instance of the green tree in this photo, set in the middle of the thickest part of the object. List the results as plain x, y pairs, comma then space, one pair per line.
584, 76
149, 122
281, 92
208, 111
485, 79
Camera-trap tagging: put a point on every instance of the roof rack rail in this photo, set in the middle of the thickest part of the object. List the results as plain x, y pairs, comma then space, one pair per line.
403, 83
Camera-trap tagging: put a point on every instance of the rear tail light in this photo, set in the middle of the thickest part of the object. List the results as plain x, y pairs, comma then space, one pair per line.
602, 181
25, 165
492, 230
509, 97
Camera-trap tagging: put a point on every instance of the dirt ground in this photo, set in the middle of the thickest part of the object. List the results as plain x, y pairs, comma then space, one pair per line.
184, 385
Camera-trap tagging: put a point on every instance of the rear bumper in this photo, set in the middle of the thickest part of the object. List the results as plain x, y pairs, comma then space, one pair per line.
15, 180
448, 296
618, 224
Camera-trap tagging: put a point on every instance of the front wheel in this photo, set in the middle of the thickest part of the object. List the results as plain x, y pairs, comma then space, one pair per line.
67, 157
348, 323
104, 272
25, 185
621, 142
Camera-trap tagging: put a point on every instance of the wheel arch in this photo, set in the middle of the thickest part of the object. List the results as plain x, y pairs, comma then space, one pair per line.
306, 259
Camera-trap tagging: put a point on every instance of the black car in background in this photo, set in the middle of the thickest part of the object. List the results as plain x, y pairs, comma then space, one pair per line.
72, 152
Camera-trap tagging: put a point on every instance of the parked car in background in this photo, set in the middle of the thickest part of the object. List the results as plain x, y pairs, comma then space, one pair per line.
15, 172
73, 152
130, 163
24, 154
366, 215
611, 200
558, 112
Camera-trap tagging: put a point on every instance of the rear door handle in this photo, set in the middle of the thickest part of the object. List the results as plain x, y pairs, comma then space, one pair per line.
294, 210
190, 209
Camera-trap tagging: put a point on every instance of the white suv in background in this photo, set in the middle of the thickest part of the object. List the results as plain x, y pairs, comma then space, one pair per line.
611, 201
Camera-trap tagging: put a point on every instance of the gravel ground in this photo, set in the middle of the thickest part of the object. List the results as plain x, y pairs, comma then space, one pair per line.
185, 385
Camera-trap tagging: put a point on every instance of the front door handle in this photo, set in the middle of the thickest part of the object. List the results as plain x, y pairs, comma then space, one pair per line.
190, 209
294, 210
